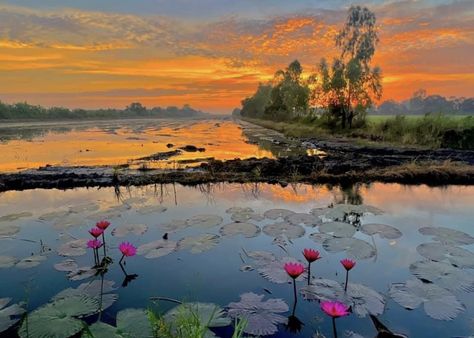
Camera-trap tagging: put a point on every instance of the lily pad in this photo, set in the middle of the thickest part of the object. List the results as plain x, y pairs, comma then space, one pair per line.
337, 229
151, 209
354, 248
439, 252
199, 244
277, 213
244, 214
318, 212
438, 303
261, 257
339, 211
444, 275
247, 230
75, 247
319, 237
205, 221
274, 271
364, 300
50, 216
30, 261
61, 317
303, 219
284, 228
70, 221
82, 273
262, 317
447, 236
7, 261
9, 230
9, 316
158, 248
124, 230
322, 290
174, 225
86, 207
383, 230
14, 217
67, 265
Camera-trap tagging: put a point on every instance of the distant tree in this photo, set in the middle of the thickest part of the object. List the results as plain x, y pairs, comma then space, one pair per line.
391, 107
349, 86
136, 108
255, 105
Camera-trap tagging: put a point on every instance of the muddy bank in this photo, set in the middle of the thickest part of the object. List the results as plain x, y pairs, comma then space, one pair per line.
346, 168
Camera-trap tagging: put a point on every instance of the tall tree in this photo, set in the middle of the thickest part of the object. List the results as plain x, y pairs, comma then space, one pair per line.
350, 85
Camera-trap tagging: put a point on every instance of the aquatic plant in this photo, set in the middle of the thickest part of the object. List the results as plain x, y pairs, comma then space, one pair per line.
103, 225
96, 232
335, 310
348, 264
127, 249
311, 256
294, 270
95, 244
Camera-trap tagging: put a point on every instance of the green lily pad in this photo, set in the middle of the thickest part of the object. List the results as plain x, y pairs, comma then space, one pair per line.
444, 275
199, 243
130, 323
7, 261
447, 236
14, 217
82, 273
9, 316
151, 209
82, 208
337, 229
439, 252
274, 271
124, 230
364, 300
9, 230
30, 261
247, 230
322, 290
354, 248
174, 225
303, 219
383, 230
67, 265
205, 221
158, 248
291, 231
75, 247
275, 214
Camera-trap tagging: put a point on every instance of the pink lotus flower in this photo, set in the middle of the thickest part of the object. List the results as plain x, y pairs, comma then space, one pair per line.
102, 224
94, 244
96, 232
127, 249
311, 255
294, 270
335, 309
348, 263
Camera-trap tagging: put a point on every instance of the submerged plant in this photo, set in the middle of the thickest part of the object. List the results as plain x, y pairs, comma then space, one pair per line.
335, 310
348, 264
311, 256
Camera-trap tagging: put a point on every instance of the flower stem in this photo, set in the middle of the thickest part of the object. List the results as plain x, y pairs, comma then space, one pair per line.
347, 280
294, 290
103, 240
334, 327
96, 260
121, 259
309, 273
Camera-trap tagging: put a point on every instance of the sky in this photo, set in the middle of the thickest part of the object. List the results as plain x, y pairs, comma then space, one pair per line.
213, 53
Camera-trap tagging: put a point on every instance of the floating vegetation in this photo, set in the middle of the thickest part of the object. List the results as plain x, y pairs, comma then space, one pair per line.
158, 248
82, 273
262, 317
76, 247
61, 317
135, 229
274, 271
444, 275
319, 237
81, 208
322, 290
353, 247
66, 265
337, 229
318, 212
130, 323
51, 216
383, 230
14, 217
174, 225
447, 236
244, 214
7, 261
261, 257
205, 221
30, 262
438, 303
151, 209
9, 315
364, 300
199, 244
9, 230
206, 314
275, 214
439, 252
340, 211
291, 231
72, 220
247, 230
303, 219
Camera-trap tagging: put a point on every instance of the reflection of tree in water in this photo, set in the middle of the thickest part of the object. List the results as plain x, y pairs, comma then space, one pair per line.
349, 194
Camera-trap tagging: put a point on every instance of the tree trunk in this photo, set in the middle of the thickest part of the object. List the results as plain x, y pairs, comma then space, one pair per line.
343, 118
350, 118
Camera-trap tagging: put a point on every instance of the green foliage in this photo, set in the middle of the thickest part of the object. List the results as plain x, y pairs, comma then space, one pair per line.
255, 105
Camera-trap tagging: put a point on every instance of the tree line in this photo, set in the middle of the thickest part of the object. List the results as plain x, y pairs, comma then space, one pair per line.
24, 110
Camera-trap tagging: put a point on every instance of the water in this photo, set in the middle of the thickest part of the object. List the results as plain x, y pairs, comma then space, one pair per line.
214, 275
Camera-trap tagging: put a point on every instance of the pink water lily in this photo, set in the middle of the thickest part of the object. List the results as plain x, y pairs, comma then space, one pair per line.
348, 264
96, 232
311, 256
294, 270
102, 224
335, 310
127, 249
94, 244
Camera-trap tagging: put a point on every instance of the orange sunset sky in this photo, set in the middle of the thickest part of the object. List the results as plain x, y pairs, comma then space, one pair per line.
212, 53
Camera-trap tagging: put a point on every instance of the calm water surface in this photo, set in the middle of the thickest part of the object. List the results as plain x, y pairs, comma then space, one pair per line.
215, 275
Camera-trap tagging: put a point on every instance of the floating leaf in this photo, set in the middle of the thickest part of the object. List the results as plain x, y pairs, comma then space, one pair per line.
198, 244
75, 247
70, 221
237, 210
67, 265
14, 217
353, 247
205, 221
364, 300
244, 214
277, 213
274, 271
447, 236
383, 230
438, 303
60, 318
87, 207
339, 211
174, 225
262, 317
100, 329
261, 257
247, 230
9, 315
318, 212
82, 273
7, 261
30, 261
322, 290
124, 230
291, 231
9, 230
444, 275
319, 237
459, 257
337, 229
151, 209
50, 216
157, 248
303, 219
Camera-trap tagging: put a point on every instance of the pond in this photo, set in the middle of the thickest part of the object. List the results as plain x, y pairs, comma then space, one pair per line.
227, 245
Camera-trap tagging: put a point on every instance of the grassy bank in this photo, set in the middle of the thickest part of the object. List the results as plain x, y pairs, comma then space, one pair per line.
429, 131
